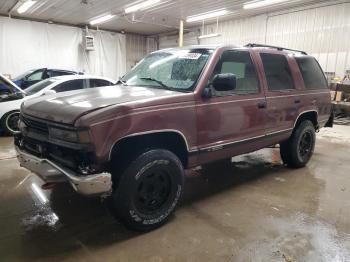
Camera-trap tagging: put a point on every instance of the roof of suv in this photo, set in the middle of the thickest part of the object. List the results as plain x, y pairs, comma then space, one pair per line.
248, 46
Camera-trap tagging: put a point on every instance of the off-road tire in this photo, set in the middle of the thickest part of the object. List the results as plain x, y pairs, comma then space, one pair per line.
5, 122
298, 149
149, 189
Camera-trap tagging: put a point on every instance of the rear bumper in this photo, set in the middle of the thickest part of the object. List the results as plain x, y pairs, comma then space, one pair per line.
47, 170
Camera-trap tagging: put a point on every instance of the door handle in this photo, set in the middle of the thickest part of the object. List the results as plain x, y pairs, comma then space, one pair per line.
297, 101
261, 104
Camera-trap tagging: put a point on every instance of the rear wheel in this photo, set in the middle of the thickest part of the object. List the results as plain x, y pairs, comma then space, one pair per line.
9, 122
148, 190
298, 149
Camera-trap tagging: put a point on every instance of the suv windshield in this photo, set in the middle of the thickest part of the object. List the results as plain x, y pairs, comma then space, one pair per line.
39, 86
173, 69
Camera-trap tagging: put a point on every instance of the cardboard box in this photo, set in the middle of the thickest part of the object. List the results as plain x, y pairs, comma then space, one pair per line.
339, 96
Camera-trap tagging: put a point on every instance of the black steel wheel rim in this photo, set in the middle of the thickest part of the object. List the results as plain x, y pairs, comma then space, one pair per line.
12, 122
305, 144
153, 190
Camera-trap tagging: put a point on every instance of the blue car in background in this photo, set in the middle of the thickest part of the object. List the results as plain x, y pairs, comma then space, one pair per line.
34, 76
9, 90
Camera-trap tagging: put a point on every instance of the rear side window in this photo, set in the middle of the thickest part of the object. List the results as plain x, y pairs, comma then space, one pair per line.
277, 71
311, 72
241, 65
52, 73
99, 82
70, 85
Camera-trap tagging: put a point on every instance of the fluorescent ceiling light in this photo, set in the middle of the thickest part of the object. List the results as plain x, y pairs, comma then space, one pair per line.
101, 19
204, 16
141, 6
209, 36
262, 3
25, 6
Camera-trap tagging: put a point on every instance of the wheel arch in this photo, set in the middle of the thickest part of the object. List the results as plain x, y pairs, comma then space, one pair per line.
172, 140
311, 115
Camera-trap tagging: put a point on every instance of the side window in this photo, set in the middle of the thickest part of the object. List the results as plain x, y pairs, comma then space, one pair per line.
311, 72
36, 76
241, 65
70, 85
52, 73
99, 82
277, 71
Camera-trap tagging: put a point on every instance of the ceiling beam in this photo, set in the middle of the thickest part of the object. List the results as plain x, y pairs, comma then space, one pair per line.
13, 7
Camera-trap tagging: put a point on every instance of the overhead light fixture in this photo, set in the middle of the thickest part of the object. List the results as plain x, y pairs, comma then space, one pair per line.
205, 16
209, 35
25, 6
101, 19
262, 3
141, 6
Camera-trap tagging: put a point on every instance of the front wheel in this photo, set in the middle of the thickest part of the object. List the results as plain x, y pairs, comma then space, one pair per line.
149, 190
9, 122
298, 149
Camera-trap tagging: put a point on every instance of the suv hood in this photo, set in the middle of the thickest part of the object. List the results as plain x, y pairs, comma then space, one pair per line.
67, 107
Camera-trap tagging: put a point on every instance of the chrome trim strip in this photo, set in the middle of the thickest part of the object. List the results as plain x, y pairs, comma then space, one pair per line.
229, 143
303, 113
281, 131
194, 149
272, 97
243, 140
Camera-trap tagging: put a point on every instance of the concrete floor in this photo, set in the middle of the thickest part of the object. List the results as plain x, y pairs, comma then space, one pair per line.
253, 210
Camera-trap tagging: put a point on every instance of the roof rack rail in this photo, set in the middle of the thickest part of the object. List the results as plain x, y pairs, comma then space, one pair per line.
275, 47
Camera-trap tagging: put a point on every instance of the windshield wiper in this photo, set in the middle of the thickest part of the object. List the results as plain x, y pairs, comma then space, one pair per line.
121, 82
157, 81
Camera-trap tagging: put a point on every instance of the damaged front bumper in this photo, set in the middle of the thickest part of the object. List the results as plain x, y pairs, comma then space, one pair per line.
96, 184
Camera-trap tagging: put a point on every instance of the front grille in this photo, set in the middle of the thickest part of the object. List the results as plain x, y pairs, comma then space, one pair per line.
35, 124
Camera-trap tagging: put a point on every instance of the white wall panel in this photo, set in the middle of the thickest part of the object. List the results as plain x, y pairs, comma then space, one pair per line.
237, 32
169, 41
26, 45
136, 49
322, 31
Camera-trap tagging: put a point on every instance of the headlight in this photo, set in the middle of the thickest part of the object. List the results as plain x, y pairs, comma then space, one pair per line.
81, 136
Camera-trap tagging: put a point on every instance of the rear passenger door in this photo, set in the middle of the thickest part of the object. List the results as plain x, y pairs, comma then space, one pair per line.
280, 90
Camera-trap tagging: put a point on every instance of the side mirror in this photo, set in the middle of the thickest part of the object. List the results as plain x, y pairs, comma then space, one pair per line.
224, 82
49, 92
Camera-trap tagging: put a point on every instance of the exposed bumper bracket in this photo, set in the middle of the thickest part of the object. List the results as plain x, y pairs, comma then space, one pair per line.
97, 184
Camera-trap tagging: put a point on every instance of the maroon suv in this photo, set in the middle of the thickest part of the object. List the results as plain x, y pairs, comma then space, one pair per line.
177, 109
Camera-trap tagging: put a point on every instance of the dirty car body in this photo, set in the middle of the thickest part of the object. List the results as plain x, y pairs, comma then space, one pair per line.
203, 103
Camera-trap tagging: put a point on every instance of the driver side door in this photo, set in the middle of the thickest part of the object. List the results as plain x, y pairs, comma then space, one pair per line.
230, 122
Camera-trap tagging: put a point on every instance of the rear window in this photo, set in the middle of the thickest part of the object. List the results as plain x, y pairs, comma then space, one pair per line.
99, 82
278, 74
70, 85
311, 72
